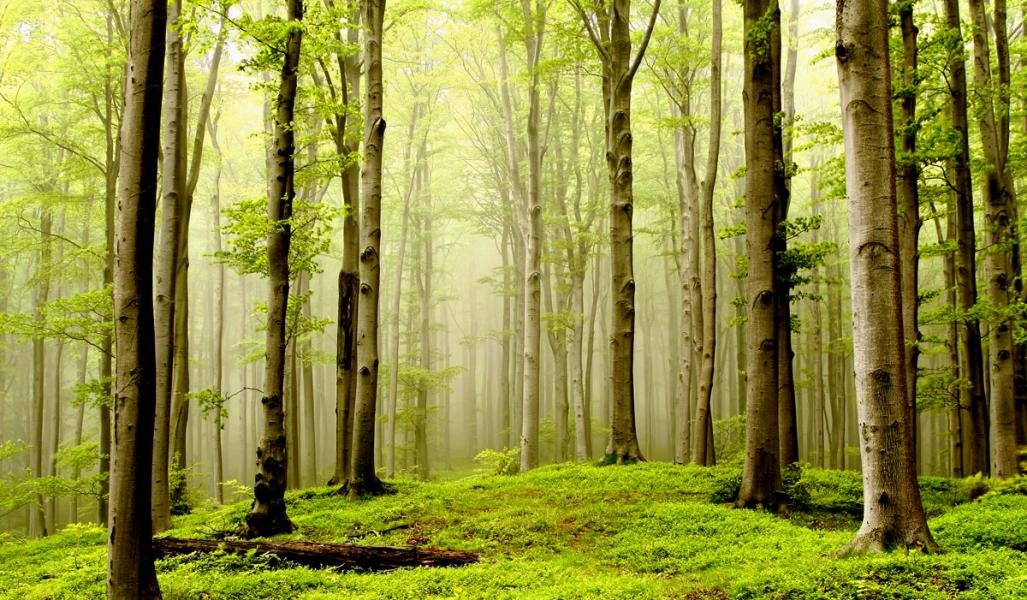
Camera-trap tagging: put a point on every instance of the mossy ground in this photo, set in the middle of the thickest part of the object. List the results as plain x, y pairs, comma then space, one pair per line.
648, 530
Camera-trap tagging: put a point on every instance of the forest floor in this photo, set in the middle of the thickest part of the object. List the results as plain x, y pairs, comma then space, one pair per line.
578, 531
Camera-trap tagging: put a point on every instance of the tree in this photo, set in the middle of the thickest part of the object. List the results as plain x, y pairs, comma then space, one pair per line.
909, 204
762, 470
608, 27
173, 188
1000, 229
703, 447
130, 571
893, 515
534, 24
970, 353
268, 515
362, 477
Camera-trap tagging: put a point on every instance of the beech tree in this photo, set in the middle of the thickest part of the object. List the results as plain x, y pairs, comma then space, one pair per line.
893, 514
608, 26
130, 571
268, 515
362, 477
761, 480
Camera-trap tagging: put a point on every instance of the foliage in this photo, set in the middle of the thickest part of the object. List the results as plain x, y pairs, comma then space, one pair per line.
575, 531
498, 462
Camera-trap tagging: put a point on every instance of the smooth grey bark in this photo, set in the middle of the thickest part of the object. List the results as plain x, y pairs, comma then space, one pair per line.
608, 27
909, 205
130, 571
173, 174
363, 479
41, 294
972, 398
534, 19
761, 474
267, 515
1000, 229
703, 453
893, 514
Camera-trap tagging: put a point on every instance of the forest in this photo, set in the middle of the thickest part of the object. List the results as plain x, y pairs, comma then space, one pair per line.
512, 299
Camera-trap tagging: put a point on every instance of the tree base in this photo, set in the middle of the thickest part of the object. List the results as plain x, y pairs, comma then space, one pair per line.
262, 524
621, 458
877, 541
365, 489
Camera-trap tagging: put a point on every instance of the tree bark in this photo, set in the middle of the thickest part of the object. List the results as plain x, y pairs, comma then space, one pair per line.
363, 479
535, 26
172, 190
1000, 231
761, 480
130, 571
909, 206
613, 42
41, 293
893, 514
704, 453
971, 363
267, 515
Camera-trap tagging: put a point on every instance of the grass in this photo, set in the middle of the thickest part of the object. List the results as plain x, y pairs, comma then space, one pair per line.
649, 530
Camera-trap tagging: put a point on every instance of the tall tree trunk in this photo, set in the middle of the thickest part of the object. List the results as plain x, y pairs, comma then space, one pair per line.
505, 358
1000, 230
909, 207
172, 190
954, 410
784, 104
130, 571
703, 453
893, 514
219, 311
80, 414
412, 169
347, 141
535, 22
613, 42
424, 281
971, 363
268, 515
363, 479
55, 430
761, 479
41, 293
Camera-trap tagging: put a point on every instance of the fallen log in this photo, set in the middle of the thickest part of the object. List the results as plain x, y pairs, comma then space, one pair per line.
317, 555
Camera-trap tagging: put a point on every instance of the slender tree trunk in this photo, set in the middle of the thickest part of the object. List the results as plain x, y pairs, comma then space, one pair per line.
1000, 230
619, 68
909, 206
397, 298
42, 292
971, 368
130, 571
703, 453
172, 189
784, 104
347, 141
80, 415
219, 310
363, 479
424, 280
761, 480
55, 431
533, 243
893, 514
268, 515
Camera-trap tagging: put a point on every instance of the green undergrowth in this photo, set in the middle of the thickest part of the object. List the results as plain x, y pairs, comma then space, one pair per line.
647, 530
